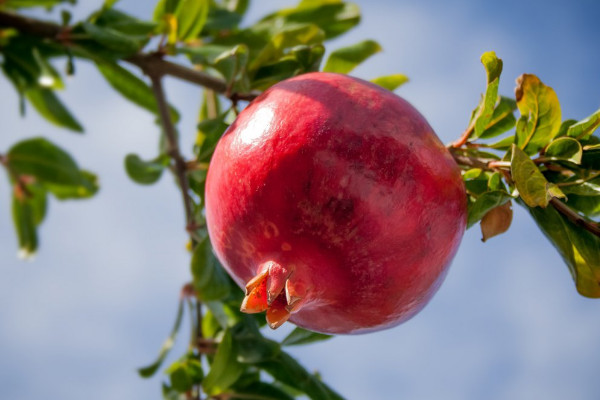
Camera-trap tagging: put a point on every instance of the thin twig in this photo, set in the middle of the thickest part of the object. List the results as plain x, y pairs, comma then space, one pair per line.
173, 145
575, 218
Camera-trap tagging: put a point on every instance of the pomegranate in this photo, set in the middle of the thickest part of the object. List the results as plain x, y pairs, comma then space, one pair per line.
333, 202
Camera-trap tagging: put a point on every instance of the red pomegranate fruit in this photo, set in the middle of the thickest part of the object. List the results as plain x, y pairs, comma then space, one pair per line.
333, 202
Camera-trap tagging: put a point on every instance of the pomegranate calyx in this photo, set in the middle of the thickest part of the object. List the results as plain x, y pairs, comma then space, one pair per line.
275, 291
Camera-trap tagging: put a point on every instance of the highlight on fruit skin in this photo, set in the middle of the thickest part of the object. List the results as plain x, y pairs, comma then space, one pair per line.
332, 202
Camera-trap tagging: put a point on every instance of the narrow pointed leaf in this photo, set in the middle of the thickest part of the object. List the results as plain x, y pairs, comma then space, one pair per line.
493, 68
502, 119
346, 59
302, 336
585, 128
191, 17
225, 369
147, 372
51, 108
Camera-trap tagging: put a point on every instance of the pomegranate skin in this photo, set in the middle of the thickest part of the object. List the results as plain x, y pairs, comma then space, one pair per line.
339, 192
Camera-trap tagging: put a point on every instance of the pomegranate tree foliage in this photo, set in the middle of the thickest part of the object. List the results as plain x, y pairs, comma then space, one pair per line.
538, 159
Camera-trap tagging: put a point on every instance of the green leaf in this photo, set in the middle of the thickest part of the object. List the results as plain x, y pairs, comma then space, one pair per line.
484, 203
287, 370
145, 172
125, 23
565, 149
533, 187
208, 135
540, 114
131, 87
33, 3
220, 19
147, 372
260, 391
391, 82
191, 16
28, 212
185, 373
232, 65
578, 247
302, 336
485, 110
45, 161
333, 17
210, 279
112, 39
346, 59
588, 205
585, 128
250, 346
502, 119
582, 187
503, 144
51, 108
225, 369
86, 188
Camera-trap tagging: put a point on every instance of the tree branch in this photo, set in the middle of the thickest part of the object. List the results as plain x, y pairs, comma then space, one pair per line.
150, 63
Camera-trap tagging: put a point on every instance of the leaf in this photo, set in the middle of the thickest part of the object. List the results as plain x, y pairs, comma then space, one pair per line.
209, 278
496, 221
185, 373
584, 128
533, 187
232, 65
391, 82
131, 87
588, 205
502, 119
87, 187
578, 248
565, 149
191, 16
540, 114
493, 67
33, 3
225, 369
484, 203
45, 161
112, 39
147, 372
145, 172
28, 212
346, 59
126, 24
250, 346
503, 144
583, 187
302, 336
260, 391
51, 108
287, 370
333, 17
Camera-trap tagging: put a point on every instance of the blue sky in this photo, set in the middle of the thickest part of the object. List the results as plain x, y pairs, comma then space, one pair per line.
101, 295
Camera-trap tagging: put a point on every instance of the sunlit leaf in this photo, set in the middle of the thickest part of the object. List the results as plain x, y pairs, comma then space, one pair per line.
565, 149
584, 128
191, 16
485, 111
540, 114
346, 59
502, 119
533, 187
578, 247
391, 82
